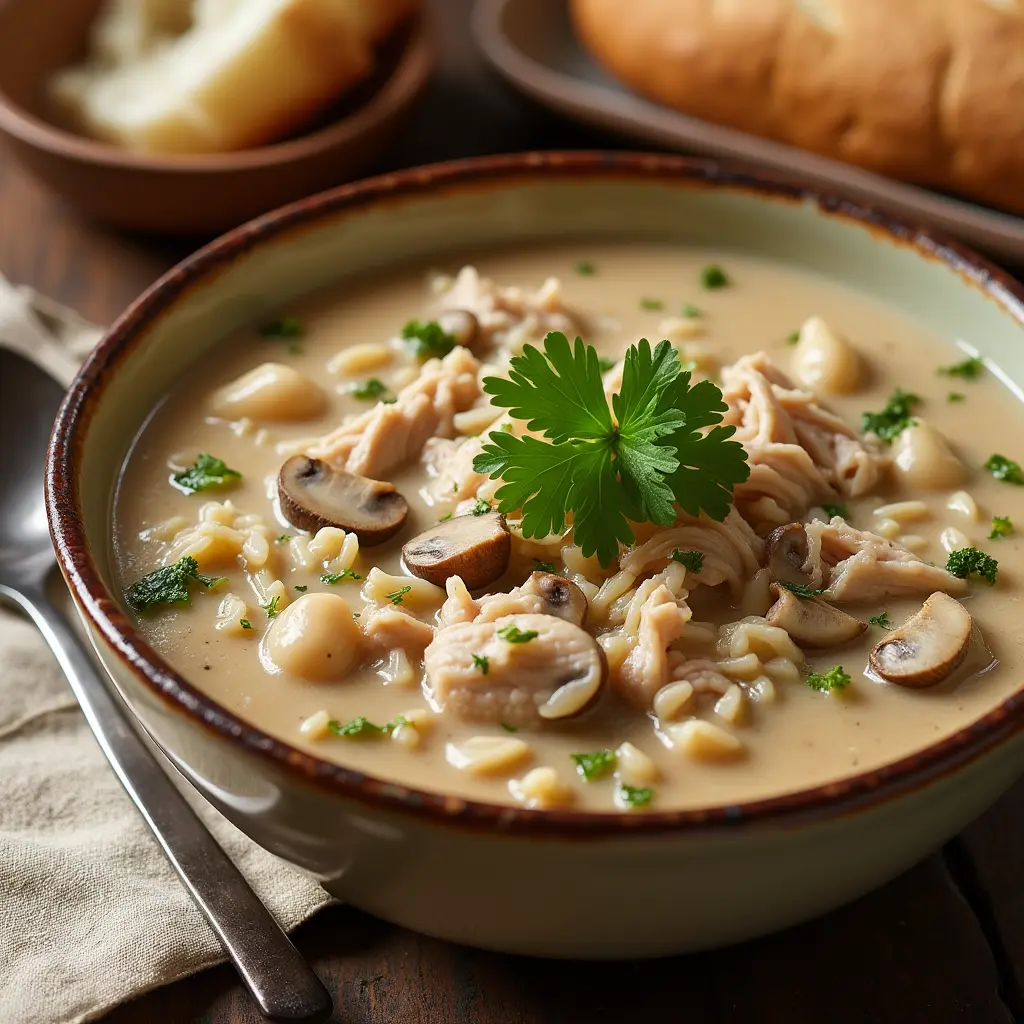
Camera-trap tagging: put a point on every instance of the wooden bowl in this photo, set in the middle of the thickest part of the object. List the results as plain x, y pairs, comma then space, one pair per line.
189, 194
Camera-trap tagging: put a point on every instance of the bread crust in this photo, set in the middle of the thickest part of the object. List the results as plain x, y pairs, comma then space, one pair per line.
928, 91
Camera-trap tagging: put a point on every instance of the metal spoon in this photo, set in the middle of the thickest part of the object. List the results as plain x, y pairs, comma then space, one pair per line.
280, 981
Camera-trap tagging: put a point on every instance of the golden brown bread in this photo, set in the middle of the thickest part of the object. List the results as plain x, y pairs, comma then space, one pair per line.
930, 91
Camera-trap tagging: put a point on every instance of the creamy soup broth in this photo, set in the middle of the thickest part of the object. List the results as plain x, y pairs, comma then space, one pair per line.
800, 738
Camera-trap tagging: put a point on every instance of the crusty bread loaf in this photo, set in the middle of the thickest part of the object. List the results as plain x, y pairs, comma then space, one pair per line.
929, 91
206, 76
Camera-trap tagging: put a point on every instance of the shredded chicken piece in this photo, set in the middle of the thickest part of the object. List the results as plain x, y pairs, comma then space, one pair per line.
450, 465
390, 628
856, 565
388, 435
647, 667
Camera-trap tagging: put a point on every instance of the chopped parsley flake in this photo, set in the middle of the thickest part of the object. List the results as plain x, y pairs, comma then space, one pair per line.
800, 589
712, 277
604, 364
1002, 526
294, 348
271, 607
836, 510
363, 727
207, 471
428, 339
508, 728
445, 517
283, 539
894, 418
514, 635
286, 327
168, 585
1004, 469
483, 663
955, 396
331, 578
834, 679
480, 507
635, 796
245, 623
792, 338
301, 590
692, 561
585, 268
595, 764
881, 620
690, 311
367, 390
652, 304
970, 369
969, 562
397, 596
539, 566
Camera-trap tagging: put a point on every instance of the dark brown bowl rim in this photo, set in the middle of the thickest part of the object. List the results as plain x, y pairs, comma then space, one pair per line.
409, 75
843, 796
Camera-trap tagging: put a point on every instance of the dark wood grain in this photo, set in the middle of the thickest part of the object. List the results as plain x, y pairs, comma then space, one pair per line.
942, 944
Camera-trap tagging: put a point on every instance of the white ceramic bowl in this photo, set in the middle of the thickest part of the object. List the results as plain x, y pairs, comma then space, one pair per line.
539, 882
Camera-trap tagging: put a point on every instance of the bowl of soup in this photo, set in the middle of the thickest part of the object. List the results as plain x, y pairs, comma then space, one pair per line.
567, 554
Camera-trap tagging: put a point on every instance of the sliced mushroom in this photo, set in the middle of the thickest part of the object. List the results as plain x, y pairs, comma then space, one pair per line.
928, 647
811, 622
785, 550
314, 494
462, 325
477, 548
561, 597
520, 670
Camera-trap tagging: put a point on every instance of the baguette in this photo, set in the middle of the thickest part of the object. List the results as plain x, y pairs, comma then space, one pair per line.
928, 91
240, 74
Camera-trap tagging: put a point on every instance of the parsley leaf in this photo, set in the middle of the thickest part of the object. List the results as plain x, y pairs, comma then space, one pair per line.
428, 338
539, 566
881, 620
585, 268
301, 590
712, 277
1002, 526
480, 507
609, 471
271, 608
595, 764
692, 561
792, 338
690, 311
834, 679
604, 364
514, 635
836, 510
652, 304
894, 418
482, 662
286, 327
336, 577
168, 585
968, 562
397, 596
509, 728
367, 390
800, 589
955, 396
363, 727
969, 369
283, 538
245, 623
207, 471
1006, 469
635, 796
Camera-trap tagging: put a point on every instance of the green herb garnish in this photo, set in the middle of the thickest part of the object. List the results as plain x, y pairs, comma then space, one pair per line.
480, 507
635, 796
604, 364
594, 765
690, 311
367, 390
207, 471
508, 728
271, 607
955, 396
331, 578
652, 304
428, 339
692, 561
792, 338
397, 596
836, 510
712, 277
515, 635
881, 620
363, 727
834, 679
301, 590
483, 663
286, 327
1005, 469
585, 268
539, 566
969, 562
970, 369
800, 589
283, 538
445, 517
1002, 526
245, 623
894, 418
168, 585
609, 471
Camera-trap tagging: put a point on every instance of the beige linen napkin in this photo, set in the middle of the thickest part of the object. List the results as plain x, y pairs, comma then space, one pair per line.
90, 912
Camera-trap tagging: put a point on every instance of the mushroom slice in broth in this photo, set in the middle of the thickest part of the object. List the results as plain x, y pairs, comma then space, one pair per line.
785, 550
811, 622
477, 548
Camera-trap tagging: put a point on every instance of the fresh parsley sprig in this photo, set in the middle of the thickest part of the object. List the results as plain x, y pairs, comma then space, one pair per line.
169, 585
608, 466
206, 472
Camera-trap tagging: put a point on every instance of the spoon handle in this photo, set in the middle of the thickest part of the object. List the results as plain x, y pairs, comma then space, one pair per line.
273, 970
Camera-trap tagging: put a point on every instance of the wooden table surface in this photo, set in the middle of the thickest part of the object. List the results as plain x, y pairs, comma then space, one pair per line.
943, 943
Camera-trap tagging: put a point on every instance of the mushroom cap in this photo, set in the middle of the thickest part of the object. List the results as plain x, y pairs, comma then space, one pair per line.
562, 598
461, 324
477, 548
785, 551
314, 494
812, 622
928, 647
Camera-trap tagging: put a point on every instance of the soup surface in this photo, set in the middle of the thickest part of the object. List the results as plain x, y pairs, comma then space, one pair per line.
675, 682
